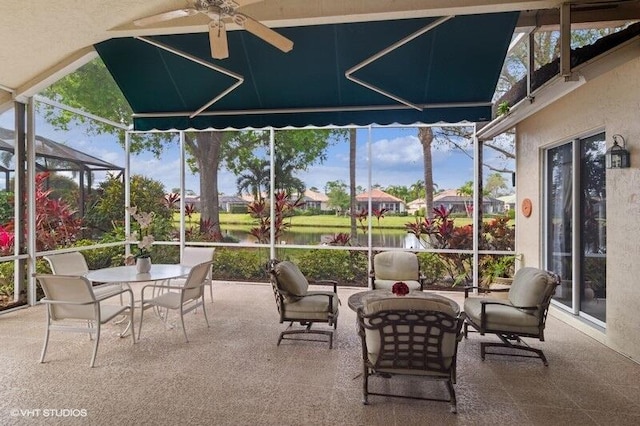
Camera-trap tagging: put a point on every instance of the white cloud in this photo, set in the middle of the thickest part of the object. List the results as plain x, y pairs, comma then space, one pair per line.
401, 150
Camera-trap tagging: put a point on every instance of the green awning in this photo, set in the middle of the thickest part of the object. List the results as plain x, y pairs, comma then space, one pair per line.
446, 74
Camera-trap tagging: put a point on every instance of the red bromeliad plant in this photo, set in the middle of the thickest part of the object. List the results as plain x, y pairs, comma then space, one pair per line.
283, 208
362, 217
498, 235
56, 223
172, 201
209, 230
379, 214
340, 239
7, 240
441, 233
189, 210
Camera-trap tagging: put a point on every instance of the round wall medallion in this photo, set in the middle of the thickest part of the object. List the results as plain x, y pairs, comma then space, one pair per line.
526, 207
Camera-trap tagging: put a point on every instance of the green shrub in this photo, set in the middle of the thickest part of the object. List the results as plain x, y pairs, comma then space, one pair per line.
239, 209
431, 267
348, 268
6, 206
102, 257
239, 264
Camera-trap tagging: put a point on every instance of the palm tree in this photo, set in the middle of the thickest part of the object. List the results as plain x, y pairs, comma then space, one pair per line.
352, 182
252, 181
285, 180
466, 191
425, 135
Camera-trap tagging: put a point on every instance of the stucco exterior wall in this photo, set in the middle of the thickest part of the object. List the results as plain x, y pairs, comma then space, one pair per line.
610, 103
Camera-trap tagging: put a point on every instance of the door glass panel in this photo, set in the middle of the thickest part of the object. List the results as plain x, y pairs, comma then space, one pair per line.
594, 224
560, 207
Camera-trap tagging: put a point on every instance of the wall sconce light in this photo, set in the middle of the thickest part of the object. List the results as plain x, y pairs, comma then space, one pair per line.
617, 157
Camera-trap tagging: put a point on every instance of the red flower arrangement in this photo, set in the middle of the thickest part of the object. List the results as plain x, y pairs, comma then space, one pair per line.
400, 289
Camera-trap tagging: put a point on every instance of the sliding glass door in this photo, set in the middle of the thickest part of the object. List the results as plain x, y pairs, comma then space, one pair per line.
576, 224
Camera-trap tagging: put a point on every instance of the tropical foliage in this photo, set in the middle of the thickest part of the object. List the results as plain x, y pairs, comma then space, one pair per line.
441, 233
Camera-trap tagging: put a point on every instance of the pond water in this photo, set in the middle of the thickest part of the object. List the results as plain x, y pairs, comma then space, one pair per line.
315, 236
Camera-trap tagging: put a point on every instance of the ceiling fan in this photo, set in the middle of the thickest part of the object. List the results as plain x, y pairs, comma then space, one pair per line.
218, 11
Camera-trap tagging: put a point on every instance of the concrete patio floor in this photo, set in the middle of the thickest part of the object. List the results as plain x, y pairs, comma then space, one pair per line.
234, 374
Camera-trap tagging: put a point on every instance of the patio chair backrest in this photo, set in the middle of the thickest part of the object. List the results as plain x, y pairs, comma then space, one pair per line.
193, 287
289, 279
192, 256
69, 288
71, 263
396, 265
417, 335
532, 287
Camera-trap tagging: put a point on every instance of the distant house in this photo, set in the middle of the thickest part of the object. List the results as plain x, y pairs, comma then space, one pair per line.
310, 199
380, 200
193, 200
457, 203
226, 203
415, 205
315, 200
232, 204
509, 202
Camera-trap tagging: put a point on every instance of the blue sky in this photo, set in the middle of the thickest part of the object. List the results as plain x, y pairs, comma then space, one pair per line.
396, 155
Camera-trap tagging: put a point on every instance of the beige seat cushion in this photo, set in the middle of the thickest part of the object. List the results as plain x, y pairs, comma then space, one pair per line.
396, 266
387, 284
503, 317
291, 279
530, 286
314, 305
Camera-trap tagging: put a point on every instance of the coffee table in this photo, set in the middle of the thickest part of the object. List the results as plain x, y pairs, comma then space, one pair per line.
357, 300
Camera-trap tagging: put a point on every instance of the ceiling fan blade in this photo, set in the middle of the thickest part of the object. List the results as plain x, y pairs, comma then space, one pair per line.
218, 40
265, 33
166, 16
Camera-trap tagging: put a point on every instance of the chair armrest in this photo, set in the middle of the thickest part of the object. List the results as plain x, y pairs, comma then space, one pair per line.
63, 302
468, 288
158, 286
485, 290
168, 287
116, 293
333, 283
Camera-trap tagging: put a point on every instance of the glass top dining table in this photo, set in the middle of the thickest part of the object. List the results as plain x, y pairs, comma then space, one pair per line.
129, 274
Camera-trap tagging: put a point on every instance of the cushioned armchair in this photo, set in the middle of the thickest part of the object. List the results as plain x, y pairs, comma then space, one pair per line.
297, 304
522, 314
409, 336
390, 267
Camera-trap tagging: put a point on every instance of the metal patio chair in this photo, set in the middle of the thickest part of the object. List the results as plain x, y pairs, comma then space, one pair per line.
183, 299
71, 298
297, 304
405, 336
522, 314
390, 267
